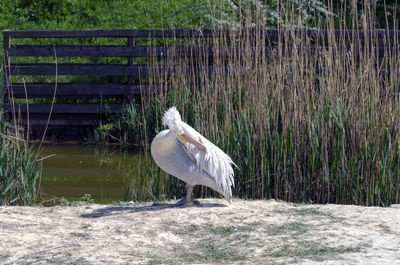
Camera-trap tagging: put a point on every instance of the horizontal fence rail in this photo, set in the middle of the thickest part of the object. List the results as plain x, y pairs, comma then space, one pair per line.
86, 69
74, 90
37, 72
183, 33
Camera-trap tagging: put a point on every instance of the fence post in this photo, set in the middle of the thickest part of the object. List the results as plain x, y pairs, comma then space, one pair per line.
131, 43
6, 81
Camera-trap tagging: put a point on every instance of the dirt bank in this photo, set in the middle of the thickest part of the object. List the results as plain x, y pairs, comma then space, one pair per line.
245, 232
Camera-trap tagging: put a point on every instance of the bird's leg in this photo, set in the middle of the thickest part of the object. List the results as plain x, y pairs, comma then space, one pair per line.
182, 201
188, 200
189, 193
189, 197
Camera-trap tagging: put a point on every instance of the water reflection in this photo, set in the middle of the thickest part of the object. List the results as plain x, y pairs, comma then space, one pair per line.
103, 172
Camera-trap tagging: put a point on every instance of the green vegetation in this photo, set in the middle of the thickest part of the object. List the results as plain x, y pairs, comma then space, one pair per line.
122, 128
85, 200
19, 170
300, 127
211, 252
311, 211
123, 14
311, 250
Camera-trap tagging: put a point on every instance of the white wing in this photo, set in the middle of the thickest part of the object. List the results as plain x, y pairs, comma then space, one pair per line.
213, 160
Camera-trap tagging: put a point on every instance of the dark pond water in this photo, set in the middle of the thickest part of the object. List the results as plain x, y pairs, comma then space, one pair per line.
76, 170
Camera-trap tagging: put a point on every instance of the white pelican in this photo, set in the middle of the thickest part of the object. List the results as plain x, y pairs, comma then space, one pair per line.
187, 155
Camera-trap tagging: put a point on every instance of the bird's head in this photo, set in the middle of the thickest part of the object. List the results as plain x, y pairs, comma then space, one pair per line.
172, 119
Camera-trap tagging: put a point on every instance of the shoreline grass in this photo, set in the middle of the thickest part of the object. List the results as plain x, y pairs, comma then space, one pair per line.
301, 127
20, 169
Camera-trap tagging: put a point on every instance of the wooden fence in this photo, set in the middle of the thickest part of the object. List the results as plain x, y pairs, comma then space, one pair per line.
98, 97
94, 98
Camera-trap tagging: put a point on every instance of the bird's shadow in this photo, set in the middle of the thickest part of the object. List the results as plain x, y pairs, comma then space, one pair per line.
115, 210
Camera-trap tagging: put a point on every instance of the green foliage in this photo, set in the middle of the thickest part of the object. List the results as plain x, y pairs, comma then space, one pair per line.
122, 128
75, 14
19, 172
85, 200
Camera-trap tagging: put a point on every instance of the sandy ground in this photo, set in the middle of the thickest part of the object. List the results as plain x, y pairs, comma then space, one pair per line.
245, 232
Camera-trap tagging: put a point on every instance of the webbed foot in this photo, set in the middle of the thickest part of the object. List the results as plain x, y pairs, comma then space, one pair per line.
186, 203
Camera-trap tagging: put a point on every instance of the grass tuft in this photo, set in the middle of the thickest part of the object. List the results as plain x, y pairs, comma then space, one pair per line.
19, 169
312, 250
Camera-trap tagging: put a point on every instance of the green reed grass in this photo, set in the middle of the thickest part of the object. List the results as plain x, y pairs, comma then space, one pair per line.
19, 169
301, 127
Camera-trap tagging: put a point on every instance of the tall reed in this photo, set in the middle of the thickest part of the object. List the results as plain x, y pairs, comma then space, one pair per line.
20, 166
20, 169
304, 118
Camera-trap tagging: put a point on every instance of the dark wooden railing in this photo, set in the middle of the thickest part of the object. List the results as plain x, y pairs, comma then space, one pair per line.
76, 112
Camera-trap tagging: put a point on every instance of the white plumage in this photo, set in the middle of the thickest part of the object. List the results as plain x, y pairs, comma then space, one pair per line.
184, 153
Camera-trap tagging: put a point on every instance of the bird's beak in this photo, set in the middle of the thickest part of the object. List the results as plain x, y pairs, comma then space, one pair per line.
189, 139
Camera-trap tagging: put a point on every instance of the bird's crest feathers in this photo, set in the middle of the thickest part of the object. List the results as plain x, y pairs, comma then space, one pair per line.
172, 118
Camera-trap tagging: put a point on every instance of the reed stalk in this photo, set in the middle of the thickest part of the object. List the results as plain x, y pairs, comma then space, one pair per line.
305, 119
20, 169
